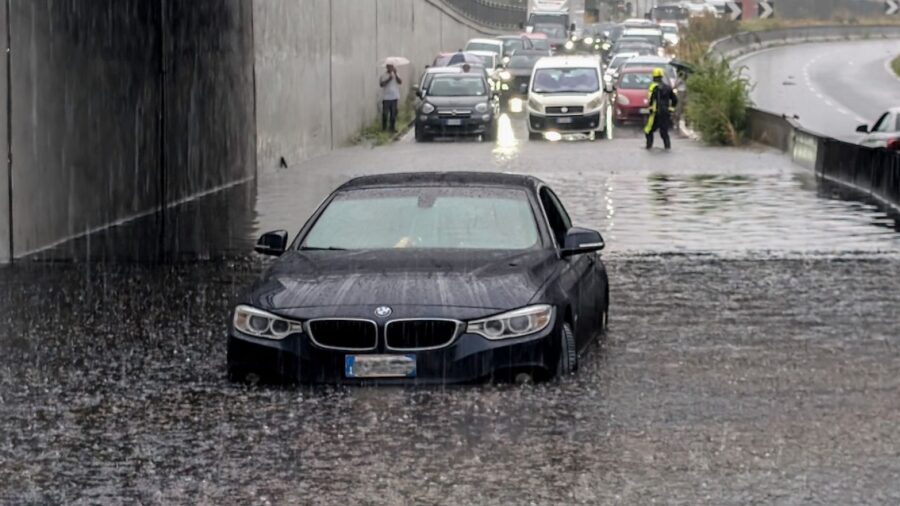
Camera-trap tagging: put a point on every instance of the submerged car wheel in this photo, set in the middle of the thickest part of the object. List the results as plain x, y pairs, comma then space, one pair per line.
535, 136
421, 136
568, 356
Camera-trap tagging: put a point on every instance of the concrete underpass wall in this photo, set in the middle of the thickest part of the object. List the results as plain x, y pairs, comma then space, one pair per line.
4, 144
121, 107
316, 66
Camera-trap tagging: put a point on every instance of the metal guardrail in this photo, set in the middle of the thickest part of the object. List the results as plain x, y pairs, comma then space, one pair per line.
875, 172
497, 14
748, 42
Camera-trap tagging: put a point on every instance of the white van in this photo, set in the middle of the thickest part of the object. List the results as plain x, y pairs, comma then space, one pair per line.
567, 95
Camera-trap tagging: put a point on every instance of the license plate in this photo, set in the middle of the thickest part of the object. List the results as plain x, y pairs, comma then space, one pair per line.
454, 122
380, 366
645, 111
563, 121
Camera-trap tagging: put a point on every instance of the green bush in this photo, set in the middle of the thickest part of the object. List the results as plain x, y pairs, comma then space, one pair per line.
719, 98
896, 65
701, 32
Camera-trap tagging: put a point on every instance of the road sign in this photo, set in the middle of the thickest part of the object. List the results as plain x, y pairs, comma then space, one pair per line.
892, 7
734, 11
767, 9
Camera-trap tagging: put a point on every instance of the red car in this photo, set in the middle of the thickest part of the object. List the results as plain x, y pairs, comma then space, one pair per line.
633, 93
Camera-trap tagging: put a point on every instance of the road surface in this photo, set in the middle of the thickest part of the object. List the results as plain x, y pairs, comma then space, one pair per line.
752, 356
833, 87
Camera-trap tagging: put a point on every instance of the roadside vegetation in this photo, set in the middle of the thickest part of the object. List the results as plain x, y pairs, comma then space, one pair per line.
375, 136
896, 65
719, 98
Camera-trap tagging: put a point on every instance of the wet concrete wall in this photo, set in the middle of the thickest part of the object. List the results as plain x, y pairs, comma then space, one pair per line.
121, 107
4, 144
316, 66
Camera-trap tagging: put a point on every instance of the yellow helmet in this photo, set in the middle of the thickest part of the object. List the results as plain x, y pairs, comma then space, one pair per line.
657, 72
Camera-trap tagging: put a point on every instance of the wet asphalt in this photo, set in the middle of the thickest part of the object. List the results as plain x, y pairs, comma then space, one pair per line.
752, 357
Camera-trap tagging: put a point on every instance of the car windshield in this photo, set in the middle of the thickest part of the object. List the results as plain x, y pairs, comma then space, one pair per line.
670, 29
543, 44
457, 86
426, 218
566, 80
484, 46
510, 45
551, 31
635, 81
523, 62
618, 61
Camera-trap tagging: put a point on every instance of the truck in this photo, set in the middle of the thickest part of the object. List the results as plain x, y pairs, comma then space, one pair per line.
558, 19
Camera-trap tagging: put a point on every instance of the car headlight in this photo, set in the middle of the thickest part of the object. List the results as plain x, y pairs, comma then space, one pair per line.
504, 75
505, 60
570, 45
606, 46
593, 104
607, 78
259, 323
482, 107
589, 40
427, 108
622, 100
518, 323
534, 105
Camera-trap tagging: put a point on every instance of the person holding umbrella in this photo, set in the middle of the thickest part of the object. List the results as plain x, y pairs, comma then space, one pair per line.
390, 89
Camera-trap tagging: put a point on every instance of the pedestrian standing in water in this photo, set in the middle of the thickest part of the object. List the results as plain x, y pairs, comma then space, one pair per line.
663, 102
390, 98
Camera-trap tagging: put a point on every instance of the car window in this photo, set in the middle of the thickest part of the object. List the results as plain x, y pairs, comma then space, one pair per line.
483, 46
510, 45
881, 124
426, 218
556, 215
523, 62
635, 81
566, 80
466, 86
897, 125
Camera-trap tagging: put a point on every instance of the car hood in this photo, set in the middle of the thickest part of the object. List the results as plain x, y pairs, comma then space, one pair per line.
565, 99
635, 97
475, 279
520, 72
456, 101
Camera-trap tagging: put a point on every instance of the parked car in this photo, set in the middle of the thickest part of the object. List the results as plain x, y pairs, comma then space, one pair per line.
885, 133
490, 45
429, 74
394, 279
513, 43
566, 94
456, 104
632, 97
516, 73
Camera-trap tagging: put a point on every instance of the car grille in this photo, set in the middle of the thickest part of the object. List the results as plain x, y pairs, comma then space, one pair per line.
344, 334
575, 109
420, 334
455, 113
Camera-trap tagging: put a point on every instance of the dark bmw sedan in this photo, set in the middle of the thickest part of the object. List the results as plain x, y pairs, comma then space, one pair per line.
425, 278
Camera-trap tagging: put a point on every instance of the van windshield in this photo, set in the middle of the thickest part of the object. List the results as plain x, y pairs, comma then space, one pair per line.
566, 80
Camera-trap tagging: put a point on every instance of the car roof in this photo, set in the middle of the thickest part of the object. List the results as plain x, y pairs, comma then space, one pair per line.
511, 37
567, 62
406, 179
651, 59
636, 70
529, 52
443, 70
485, 41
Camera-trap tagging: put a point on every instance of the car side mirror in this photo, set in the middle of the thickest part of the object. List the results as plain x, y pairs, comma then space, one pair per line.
420, 94
609, 87
582, 240
863, 129
572, 27
272, 243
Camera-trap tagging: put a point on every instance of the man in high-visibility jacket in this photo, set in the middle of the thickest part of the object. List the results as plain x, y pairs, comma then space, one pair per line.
663, 102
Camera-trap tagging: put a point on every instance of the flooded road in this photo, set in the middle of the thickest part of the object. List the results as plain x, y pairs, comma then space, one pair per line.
752, 356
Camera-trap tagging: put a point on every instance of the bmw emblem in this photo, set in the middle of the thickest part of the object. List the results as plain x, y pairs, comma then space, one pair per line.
383, 311
564, 110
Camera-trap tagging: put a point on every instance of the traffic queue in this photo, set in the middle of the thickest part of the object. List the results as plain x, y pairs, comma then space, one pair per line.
583, 83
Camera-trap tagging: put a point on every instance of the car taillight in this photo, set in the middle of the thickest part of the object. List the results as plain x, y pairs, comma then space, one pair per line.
894, 144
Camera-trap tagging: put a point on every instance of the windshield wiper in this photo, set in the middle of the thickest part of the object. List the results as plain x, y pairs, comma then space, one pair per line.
330, 248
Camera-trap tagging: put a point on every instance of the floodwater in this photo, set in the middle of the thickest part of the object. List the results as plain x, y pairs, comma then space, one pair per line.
752, 356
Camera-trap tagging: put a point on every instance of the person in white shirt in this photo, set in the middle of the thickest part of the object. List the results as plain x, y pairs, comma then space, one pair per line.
390, 88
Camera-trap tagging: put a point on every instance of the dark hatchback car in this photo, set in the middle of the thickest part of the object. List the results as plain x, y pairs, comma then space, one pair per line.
516, 74
425, 278
456, 104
